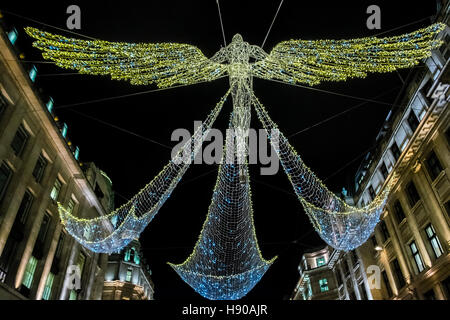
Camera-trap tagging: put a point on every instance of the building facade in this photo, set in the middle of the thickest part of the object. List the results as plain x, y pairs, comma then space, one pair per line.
128, 275
328, 274
410, 245
39, 167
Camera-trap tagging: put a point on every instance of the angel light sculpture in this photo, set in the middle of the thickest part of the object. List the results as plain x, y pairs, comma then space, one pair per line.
226, 262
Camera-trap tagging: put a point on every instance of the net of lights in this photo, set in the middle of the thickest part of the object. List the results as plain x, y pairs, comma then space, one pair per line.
226, 262
112, 232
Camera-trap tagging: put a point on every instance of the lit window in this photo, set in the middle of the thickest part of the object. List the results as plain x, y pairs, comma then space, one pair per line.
64, 130
434, 241
33, 73
70, 206
320, 261
12, 35
129, 274
48, 286
19, 140
50, 105
55, 190
73, 295
323, 283
416, 256
29, 272
76, 153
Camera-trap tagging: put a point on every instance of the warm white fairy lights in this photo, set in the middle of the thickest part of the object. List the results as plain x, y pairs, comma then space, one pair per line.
226, 262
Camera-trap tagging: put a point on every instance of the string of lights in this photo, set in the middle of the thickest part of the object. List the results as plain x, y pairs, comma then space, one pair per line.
111, 232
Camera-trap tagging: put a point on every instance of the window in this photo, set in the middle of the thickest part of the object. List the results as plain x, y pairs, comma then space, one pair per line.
398, 274
3, 104
25, 207
55, 190
50, 105
323, 283
76, 153
447, 207
433, 240
413, 122
59, 246
320, 261
12, 35
384, 170
73, 295
398, 210
19, 141
384, 230
64, 130
413, 195
29, 272
386, 283
129, 274
39, 168
5, 177
416, 256
33, 73
395, 151
372, 192
70, 206
44, 228
9, 251
434, 167
48, 286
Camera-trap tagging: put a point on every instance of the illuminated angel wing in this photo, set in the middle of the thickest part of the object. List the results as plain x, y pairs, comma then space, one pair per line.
165, 64
311, 62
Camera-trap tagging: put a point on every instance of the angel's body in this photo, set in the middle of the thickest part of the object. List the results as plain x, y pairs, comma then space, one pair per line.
238, 54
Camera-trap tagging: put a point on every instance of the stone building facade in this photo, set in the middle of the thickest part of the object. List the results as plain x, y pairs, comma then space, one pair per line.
328, 274
128, 275
39, 167
410, 245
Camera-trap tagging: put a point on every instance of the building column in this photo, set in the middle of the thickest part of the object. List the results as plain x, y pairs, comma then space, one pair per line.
16, 188
72, 258
44, 200
413, 226
362, 269
431, 202
48, 262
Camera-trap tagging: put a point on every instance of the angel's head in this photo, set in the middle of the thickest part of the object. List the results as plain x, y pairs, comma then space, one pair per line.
237, 38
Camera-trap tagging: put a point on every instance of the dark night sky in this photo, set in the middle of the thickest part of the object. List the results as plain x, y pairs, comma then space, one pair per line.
132, 162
